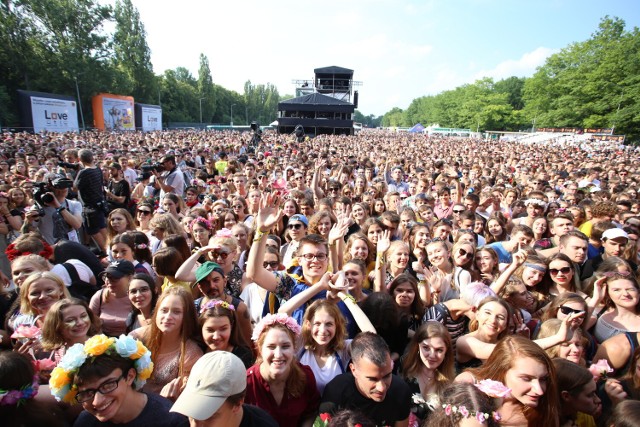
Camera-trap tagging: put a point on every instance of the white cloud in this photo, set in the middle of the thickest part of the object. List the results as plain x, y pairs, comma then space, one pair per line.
523, 67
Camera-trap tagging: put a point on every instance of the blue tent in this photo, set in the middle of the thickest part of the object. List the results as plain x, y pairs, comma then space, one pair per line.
417, 128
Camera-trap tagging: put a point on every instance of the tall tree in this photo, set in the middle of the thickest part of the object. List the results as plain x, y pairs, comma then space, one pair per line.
206, 89
132, 57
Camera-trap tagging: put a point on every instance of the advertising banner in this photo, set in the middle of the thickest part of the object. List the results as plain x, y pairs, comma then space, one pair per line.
54, 115
113, 112
151, 118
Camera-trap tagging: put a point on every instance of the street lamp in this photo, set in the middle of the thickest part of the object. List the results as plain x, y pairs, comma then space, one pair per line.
613, 128
231, 115
79, 102
201, 109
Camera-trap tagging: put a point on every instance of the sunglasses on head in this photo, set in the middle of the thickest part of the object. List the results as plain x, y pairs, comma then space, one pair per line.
294, 226
563, 270
568, 310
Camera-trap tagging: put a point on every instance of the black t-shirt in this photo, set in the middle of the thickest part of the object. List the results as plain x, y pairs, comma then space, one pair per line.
342, 393
120, 188
255, 417
155, 414
90, 187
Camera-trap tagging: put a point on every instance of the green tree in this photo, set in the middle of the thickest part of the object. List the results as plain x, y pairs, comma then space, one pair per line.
206, 89
132, 57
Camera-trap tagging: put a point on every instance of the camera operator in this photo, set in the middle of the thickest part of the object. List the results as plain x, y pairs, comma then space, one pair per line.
53, 215
171, 180
90, 184
118, 190
70, 164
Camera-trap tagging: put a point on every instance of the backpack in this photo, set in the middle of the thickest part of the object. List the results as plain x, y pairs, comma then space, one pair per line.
79, 288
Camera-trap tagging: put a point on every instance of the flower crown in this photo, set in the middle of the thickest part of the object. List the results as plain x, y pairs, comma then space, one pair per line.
481, 417
224, 233
215, 303
126, 347
271, 319
537, 202
11, 397
202, 221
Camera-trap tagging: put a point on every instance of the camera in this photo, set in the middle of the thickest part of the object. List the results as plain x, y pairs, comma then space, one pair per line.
42, 194
158, 167
74, 166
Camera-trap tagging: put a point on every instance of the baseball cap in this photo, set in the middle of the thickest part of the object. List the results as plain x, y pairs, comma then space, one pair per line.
213, 378
614, 233
299, 217
120, 269
206, 268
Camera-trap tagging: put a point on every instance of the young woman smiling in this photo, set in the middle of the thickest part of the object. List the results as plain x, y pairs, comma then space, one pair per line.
278, 383
143, 294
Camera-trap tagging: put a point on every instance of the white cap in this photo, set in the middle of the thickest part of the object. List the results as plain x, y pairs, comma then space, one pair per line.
614, 233
213, 378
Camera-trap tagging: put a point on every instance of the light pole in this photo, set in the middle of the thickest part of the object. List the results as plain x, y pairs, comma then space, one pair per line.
201, 109
613, 128
231, 115
80, 102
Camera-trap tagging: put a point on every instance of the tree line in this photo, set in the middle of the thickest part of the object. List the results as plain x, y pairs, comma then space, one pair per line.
589, 84
61, 47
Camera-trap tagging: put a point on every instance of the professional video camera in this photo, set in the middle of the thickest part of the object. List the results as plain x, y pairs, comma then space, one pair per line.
299, 132
158, 167
74, 166
42, 195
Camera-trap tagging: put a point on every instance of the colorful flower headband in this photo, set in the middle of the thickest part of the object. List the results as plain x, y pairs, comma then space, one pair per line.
271, 319
202, 221
215, 303
481, 417
12, 253
62, 376
535, 202
12, 397
224, 233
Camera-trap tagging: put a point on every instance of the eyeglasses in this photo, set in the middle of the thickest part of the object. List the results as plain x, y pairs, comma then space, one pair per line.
221, 255
143, 213
318, 257
272, 264
71, 323
458, 211
563, 270
294, 226
142, 290
334, 189
465, 254
568, 310
104, 388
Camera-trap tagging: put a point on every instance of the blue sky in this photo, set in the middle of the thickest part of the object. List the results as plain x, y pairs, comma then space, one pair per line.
399, 49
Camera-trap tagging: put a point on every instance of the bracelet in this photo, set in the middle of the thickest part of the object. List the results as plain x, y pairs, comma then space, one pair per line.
380, 258
258, 236
333, 243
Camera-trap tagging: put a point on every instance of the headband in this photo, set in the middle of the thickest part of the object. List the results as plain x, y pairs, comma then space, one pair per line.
536, 267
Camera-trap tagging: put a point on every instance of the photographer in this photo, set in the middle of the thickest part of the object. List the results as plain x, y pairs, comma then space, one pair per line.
171, 180
53, 215
89, 184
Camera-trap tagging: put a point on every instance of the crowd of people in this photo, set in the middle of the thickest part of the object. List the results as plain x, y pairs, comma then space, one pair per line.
384, 279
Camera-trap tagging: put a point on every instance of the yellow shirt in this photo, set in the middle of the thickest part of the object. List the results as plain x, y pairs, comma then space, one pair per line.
586, 228
166, 284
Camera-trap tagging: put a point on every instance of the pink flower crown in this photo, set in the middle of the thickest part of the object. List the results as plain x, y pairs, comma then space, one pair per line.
481, 417
216, 303
224, 233
202, 221
271, 319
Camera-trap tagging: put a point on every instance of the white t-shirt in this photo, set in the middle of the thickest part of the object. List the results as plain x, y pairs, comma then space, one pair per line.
84, 272
251, 296
331, 368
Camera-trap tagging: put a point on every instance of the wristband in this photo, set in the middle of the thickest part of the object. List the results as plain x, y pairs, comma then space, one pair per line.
258, 236
347, 297
61, 209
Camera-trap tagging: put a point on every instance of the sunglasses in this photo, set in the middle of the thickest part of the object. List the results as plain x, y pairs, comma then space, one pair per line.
466, 254
568, 310
456, 211
294, 226
143, 212
563, 270
218, 254
272, 264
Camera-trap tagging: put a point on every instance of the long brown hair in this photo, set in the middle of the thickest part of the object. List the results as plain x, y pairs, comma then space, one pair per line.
503, 357
297, 380
53, 323
153, 335
337, 342
412, 363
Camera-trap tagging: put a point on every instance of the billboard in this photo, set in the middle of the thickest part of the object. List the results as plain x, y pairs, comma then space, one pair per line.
148, 117
113, 112
48, 112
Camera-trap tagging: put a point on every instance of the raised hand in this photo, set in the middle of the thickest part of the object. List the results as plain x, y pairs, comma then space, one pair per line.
599, 289
269, 212
384, 241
